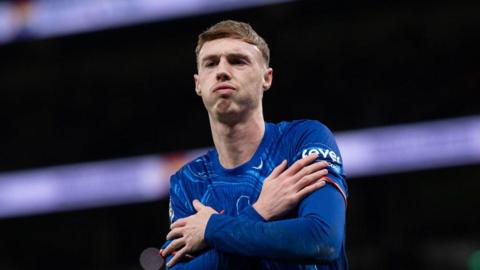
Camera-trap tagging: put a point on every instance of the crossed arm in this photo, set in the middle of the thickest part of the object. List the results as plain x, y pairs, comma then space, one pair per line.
282, 191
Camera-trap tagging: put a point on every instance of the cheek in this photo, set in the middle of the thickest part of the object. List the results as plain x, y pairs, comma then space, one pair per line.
203, 81
254, 82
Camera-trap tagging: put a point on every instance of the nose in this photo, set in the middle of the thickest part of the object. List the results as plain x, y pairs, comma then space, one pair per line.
223, 71
223, 76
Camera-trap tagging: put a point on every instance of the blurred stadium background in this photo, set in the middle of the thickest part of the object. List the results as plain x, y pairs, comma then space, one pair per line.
97, 108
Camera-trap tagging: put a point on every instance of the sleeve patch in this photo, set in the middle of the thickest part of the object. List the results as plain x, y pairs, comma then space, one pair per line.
323, 153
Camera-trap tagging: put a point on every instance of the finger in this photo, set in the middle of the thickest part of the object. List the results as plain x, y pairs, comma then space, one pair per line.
175, 233
198, 205
310, 169
188, 256
179, 255
174, 245
310, 179
299, 164
278, 170
315, 167
179, 223
309, 189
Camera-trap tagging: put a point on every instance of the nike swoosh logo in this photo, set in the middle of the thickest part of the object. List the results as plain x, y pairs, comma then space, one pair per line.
259, 166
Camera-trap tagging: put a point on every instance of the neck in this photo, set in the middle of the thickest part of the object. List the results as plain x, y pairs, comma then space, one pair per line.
237, 142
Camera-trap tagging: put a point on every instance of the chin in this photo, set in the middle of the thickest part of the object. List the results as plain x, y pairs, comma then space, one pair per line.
224, 106
228, 115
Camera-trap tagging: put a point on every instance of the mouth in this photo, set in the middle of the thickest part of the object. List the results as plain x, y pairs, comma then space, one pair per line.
223, 89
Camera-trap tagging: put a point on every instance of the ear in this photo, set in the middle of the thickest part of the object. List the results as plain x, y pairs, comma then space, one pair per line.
197, 88
267, 79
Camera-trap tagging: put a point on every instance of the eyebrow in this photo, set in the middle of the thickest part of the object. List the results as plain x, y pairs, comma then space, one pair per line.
208, 57
230, 55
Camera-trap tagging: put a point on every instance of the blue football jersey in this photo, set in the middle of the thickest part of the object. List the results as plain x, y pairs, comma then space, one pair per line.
311, 237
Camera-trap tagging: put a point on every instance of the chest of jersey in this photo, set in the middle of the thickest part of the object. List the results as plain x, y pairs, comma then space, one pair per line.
231, 194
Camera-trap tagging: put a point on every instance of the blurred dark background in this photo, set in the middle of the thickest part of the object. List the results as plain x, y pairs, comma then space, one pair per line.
129, 91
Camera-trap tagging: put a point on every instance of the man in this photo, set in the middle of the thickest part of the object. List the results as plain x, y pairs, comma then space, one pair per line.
270, 196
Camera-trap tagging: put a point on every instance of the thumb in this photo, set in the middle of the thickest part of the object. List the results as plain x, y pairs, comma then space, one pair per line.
198, 205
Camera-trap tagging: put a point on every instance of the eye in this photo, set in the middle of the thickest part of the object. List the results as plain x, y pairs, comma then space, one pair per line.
238, 61
209, 64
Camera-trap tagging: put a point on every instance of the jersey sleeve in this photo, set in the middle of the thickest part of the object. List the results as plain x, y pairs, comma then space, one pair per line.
315, 235
314, 137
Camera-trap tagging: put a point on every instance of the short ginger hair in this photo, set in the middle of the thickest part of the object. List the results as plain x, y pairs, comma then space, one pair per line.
237, 30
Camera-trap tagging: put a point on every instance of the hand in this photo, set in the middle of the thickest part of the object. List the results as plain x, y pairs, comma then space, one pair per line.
283, 189
188, 233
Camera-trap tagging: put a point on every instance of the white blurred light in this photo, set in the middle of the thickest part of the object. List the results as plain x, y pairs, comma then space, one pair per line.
48, 18
408, 147
365, 152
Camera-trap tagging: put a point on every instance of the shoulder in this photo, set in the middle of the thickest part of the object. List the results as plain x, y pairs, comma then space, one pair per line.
196, 170
307, 136
302, 125
303, 128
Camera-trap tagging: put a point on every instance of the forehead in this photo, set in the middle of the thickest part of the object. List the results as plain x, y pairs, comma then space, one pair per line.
226, 46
